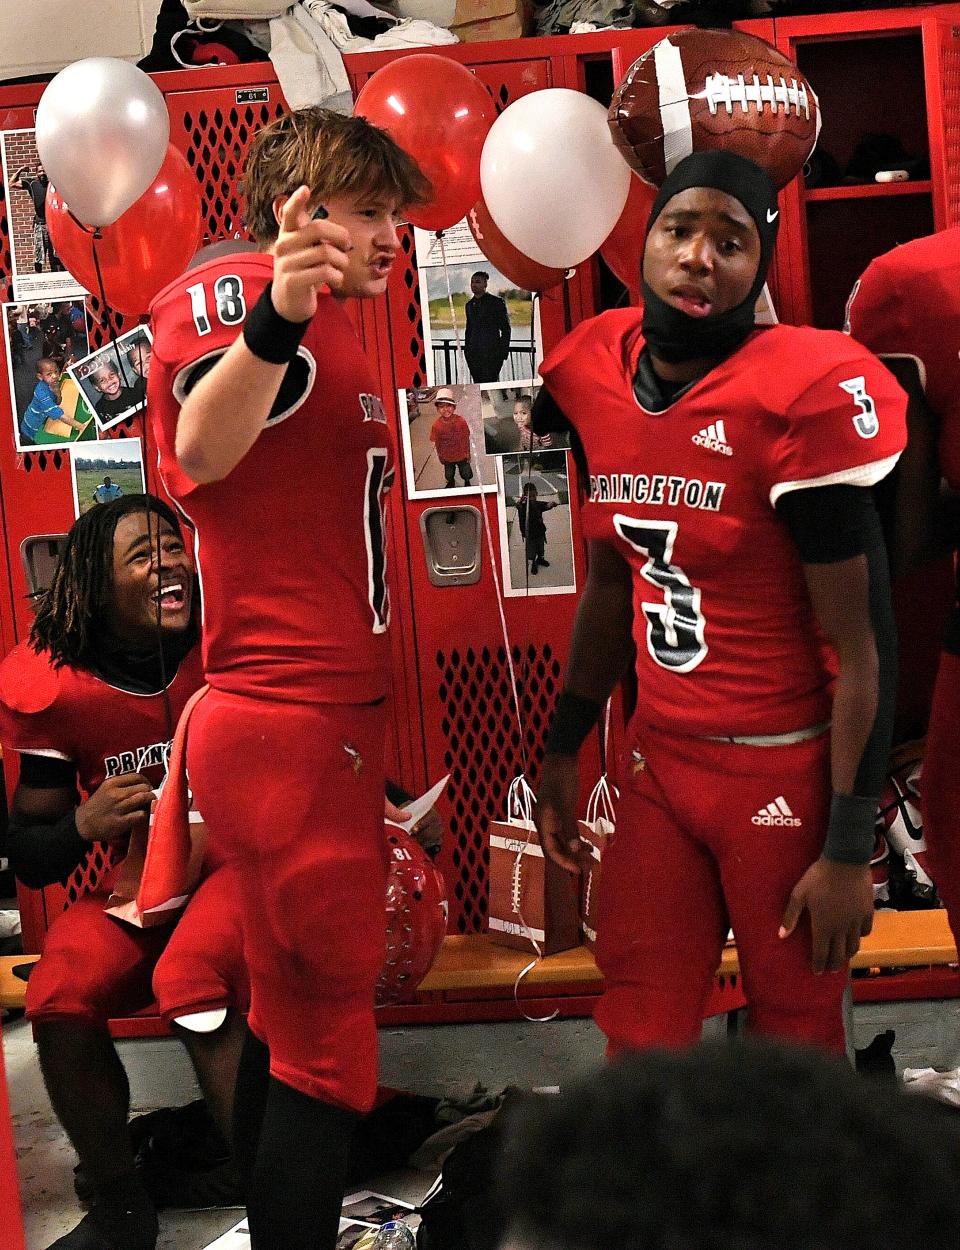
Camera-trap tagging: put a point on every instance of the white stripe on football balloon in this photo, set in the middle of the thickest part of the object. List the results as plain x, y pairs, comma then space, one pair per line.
674, 104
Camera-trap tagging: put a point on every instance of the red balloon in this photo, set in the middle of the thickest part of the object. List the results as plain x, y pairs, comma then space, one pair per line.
529, 275
145, 248
623, 248
439, 113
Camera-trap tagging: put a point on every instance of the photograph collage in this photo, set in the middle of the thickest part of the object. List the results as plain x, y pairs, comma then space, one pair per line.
64, 393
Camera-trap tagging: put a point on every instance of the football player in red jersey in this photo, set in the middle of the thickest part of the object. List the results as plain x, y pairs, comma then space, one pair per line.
906, 308
89, 703
266, 413
731, 538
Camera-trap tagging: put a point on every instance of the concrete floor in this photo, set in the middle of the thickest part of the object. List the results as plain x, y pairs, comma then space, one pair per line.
447, 1059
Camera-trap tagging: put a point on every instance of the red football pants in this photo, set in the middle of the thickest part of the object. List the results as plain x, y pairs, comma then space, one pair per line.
95, 967
293, 794
698, 848
940, 788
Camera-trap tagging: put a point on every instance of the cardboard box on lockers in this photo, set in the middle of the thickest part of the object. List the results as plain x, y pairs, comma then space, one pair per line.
477, 21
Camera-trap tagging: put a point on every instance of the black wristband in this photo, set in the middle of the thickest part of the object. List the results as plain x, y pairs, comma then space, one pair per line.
573, 720
851, 832
268, 335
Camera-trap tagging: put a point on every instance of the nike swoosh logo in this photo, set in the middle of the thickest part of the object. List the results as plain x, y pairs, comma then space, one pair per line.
771, 217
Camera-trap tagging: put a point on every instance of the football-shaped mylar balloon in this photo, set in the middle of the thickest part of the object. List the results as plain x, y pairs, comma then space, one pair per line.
416, 916
699, 90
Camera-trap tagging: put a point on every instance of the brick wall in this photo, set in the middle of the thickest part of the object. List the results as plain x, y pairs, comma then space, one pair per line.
21, 150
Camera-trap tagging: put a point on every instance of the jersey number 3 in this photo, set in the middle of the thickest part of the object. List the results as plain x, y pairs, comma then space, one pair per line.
675, 626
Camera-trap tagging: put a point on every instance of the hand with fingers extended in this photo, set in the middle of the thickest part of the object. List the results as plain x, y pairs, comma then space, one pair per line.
311, 252
556, 813
839, 900
115, 809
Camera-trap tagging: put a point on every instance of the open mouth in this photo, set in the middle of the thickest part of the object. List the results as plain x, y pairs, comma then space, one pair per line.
172, 597
382, 265
691, 301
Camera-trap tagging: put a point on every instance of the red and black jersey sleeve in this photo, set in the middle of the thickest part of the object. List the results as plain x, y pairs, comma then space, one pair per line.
194, 321
847, 427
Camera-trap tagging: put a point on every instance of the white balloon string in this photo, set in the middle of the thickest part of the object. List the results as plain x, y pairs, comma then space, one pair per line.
107, 321
491, 552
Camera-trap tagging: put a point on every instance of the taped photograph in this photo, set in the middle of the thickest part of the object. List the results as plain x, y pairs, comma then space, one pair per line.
38, 273
536, 531
490, 315
507, 414
42, 341
113, 380
107, 471
442, 429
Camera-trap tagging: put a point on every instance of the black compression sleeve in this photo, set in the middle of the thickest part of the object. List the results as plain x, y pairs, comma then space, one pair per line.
830, 524
41, 854
43, 772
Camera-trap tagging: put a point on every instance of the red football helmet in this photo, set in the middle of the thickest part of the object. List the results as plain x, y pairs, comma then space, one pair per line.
416, 916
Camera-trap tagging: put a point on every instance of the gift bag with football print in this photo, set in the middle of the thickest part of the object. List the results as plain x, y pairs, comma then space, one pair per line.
164, 861
594, 831
533, 903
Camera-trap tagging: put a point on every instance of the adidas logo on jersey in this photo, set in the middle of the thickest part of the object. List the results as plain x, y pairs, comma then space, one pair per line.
714, 438
776, 813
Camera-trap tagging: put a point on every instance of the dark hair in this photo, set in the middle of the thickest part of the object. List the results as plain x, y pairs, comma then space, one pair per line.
530, 488
481, 273
754, 1146
70, 614
333, 155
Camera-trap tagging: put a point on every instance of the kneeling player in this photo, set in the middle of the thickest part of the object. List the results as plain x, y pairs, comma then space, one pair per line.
88, 704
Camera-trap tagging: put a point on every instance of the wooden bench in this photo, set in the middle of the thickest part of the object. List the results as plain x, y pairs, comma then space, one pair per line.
468, 967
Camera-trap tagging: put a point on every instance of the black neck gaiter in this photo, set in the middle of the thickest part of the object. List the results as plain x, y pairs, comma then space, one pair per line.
671, 334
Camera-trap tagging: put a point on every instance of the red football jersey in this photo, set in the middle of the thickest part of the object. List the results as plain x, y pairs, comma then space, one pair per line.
451, 436
725, 633
290, 544
908, 304
72, 715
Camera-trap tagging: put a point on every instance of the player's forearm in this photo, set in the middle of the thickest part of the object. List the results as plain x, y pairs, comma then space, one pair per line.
42, 852
602, 645
223, 415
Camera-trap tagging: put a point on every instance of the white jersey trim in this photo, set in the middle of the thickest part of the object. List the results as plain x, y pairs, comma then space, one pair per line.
47, 753
859, 475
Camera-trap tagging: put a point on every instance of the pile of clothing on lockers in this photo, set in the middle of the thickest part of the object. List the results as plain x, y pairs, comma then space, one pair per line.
306, 41
580, 16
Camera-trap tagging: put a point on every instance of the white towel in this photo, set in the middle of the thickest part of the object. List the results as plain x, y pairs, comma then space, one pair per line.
309, 67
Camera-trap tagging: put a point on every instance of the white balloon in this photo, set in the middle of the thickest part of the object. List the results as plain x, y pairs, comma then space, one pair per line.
102, 133
552, 178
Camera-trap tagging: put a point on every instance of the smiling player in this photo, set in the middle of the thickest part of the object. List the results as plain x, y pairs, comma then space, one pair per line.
87, 705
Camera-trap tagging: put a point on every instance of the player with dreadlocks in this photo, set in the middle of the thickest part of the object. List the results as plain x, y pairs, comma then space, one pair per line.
88, 705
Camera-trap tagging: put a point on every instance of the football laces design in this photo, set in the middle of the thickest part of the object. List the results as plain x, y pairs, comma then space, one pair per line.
721, 91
